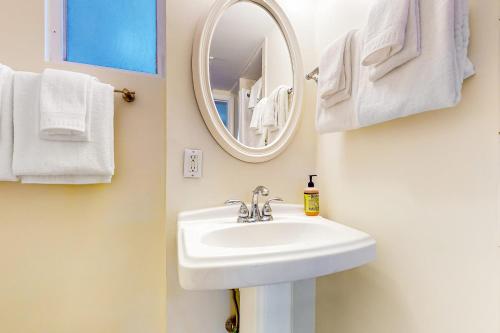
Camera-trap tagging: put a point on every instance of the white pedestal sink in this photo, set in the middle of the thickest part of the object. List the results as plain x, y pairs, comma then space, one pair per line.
264, 258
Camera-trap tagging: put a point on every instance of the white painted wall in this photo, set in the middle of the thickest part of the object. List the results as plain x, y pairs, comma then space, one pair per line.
278, 63
426, 188
224, 177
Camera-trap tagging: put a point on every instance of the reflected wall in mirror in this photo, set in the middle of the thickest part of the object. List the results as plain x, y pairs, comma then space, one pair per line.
251, 74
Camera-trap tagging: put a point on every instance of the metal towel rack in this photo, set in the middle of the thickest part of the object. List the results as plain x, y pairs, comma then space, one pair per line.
127, 95
290, 92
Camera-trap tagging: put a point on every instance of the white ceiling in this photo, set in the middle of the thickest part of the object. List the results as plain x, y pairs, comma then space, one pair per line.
237, 37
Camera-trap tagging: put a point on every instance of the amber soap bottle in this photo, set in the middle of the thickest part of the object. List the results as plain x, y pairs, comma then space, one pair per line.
311, 198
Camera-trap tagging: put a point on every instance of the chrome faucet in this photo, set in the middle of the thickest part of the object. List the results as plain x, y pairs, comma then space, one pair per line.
253, 214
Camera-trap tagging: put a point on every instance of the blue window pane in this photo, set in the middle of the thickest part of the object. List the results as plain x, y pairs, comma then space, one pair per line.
222, 108
112, 33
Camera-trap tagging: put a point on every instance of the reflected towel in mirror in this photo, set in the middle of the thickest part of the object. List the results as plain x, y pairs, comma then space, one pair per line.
255, 94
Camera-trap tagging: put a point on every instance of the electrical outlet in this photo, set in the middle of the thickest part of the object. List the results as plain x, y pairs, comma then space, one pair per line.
193, 163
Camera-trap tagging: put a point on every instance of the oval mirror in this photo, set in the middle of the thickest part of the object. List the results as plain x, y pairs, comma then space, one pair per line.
247, 74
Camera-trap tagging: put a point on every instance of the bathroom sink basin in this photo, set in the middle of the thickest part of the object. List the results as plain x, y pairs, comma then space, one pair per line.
261, 235
215, 252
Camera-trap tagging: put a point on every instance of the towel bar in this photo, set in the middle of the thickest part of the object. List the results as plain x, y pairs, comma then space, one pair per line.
290, 92
128, 96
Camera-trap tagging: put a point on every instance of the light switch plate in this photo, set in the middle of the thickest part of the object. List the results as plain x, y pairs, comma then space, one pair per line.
193, 163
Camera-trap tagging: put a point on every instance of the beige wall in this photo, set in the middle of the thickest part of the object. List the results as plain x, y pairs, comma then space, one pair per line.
425, 187
278, 62
87, 258
224, 177
92, 258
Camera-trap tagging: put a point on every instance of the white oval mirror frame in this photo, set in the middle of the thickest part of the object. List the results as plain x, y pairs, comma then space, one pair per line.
201, 82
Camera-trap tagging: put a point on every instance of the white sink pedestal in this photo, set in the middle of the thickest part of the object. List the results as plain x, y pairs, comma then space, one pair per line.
283, 308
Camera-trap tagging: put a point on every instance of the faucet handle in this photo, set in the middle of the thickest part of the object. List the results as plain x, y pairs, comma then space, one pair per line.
243, 213
274, 200
267, 212
233, 202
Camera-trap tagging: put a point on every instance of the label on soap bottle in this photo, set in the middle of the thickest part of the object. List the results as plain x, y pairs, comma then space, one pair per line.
311, 203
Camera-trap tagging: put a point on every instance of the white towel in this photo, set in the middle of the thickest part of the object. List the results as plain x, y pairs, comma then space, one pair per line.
335, 68
255, 94
6, 124
275, 112
410, 50
258, 138
64, 103
282, 105
248, 136
431, 81
61, 162
281, 101
385, 31
66, 180
269, 114
462, 35
342, 116
258, 114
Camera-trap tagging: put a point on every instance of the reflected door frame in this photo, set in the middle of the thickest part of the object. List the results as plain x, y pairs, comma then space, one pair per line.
265, 88
226, 96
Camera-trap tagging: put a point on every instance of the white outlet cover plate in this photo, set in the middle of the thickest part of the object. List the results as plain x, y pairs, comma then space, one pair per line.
193, 163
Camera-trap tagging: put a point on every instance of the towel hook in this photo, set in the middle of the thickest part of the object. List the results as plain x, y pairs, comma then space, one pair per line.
313, 75
127, 95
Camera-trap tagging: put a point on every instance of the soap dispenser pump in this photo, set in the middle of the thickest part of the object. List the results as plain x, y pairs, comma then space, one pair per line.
311, 198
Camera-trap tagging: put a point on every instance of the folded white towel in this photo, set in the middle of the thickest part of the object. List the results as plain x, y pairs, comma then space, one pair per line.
282, 105
342, 116
281, 101
259, 133
269, 113
61, 162
275, 110
255, 94
431, 81
335, 68
462, 35
410, 50
6, 123
66, 180
64, 105
385, 31
258, 114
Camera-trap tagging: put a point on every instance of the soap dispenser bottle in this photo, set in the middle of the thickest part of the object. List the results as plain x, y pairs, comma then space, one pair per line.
311, 198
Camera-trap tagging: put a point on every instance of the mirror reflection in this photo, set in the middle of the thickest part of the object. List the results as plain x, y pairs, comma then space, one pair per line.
251, 74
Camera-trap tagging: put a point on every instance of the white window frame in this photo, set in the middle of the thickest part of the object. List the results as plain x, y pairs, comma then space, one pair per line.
55, 34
